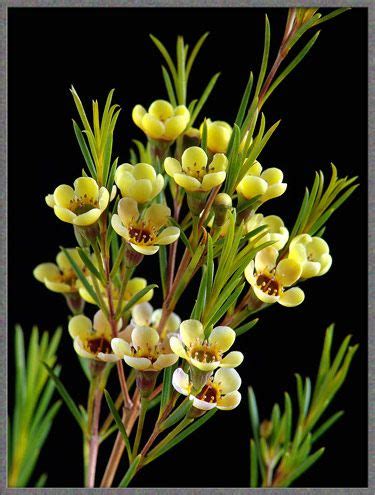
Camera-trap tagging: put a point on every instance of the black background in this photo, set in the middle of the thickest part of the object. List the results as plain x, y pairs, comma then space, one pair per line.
323, 109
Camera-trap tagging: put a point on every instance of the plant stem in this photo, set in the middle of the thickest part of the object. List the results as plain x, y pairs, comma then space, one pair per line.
119, 445
141, 420
93, 411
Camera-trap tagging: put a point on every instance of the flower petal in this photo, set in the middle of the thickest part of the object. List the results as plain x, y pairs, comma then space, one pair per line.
292, 297
168, 235
101, 324
202, 404
87, 218
157, 215
222, 337
190, 331
142, 313
104, 198
137, 362
63, 195
164, 361
228, 379
80, 326
265, 260
57, 286
64, 214
212, 180
189, 183
229, 401
203, 365
172, 166
118, 227
120, 347
288, 271
180, 381
251, 186
80, 349
232, 360
48, 271
128, 210
144, 337
108, 358
86, 186
177, 347
147, 250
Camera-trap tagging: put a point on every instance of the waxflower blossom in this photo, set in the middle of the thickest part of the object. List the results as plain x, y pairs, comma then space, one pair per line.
312, 253
269, 278
218, 135
92, 340
206, 354
194, 173
60, 277
133, 286
139, 182
276, 230
162, 122
81, 206
145, 351
143, 314
265, 183
145, 231
221, 390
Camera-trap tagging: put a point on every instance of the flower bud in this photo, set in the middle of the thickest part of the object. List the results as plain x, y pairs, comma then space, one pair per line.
222, 203
145, 381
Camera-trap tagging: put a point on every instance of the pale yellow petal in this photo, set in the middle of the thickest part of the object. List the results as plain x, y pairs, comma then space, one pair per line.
63, 196
174, 126
46, 271
161, 109
229, 401
190, 331
251, 186
138, 363
168, 235
87, 218
147, 250
144, 337
180, 381
228, 380
177, 347
138, 114
80, 326
120, 347
202, 404
118, 227
232, 359
57, 286
288, 271
212, 180
152, 126
157, 215
222, 337
86, 187
144, 171
191, 184
164, 361
142, 314
272, 175
64, 214
103, 198
266, 259
128, 210
101, 324
172, 166
292, 297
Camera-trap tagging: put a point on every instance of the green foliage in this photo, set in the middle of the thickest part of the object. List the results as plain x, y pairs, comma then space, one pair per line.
283, 445
34, 411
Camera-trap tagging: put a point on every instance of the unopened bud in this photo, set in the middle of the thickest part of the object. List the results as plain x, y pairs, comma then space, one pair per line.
145, 381
266, 428
222, 203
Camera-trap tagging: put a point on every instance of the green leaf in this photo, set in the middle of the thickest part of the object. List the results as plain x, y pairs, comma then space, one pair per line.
292, 65
167, 387
85, 151
202, 100
118, 422
204, 136
326, 425
41, 481
166, 56
303, 467
253, 465
331, 15
81, 276
90, 265
244, 102
65, 395
224, 308
201, 297
194, 54
137, 297
245, 328
266, 50
177, 414
248, 204
183, 237
169, 87
130, 473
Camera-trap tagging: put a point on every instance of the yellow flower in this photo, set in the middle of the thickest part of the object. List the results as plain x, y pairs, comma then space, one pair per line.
145, 352
206, 355
276, 231
267, 183
147, 231
218, 135
60, 277
312, 253
134, 286
269, 278
194, 174
162, 122
81, 206
92, 340
139, 182
144, 315
220, 391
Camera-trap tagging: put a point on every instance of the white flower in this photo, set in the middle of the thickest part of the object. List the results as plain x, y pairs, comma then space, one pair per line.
312, 253
269, 278
206, 354
220, 391
145, 352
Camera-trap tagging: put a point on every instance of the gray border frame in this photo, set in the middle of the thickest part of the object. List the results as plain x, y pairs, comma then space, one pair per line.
370, 4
